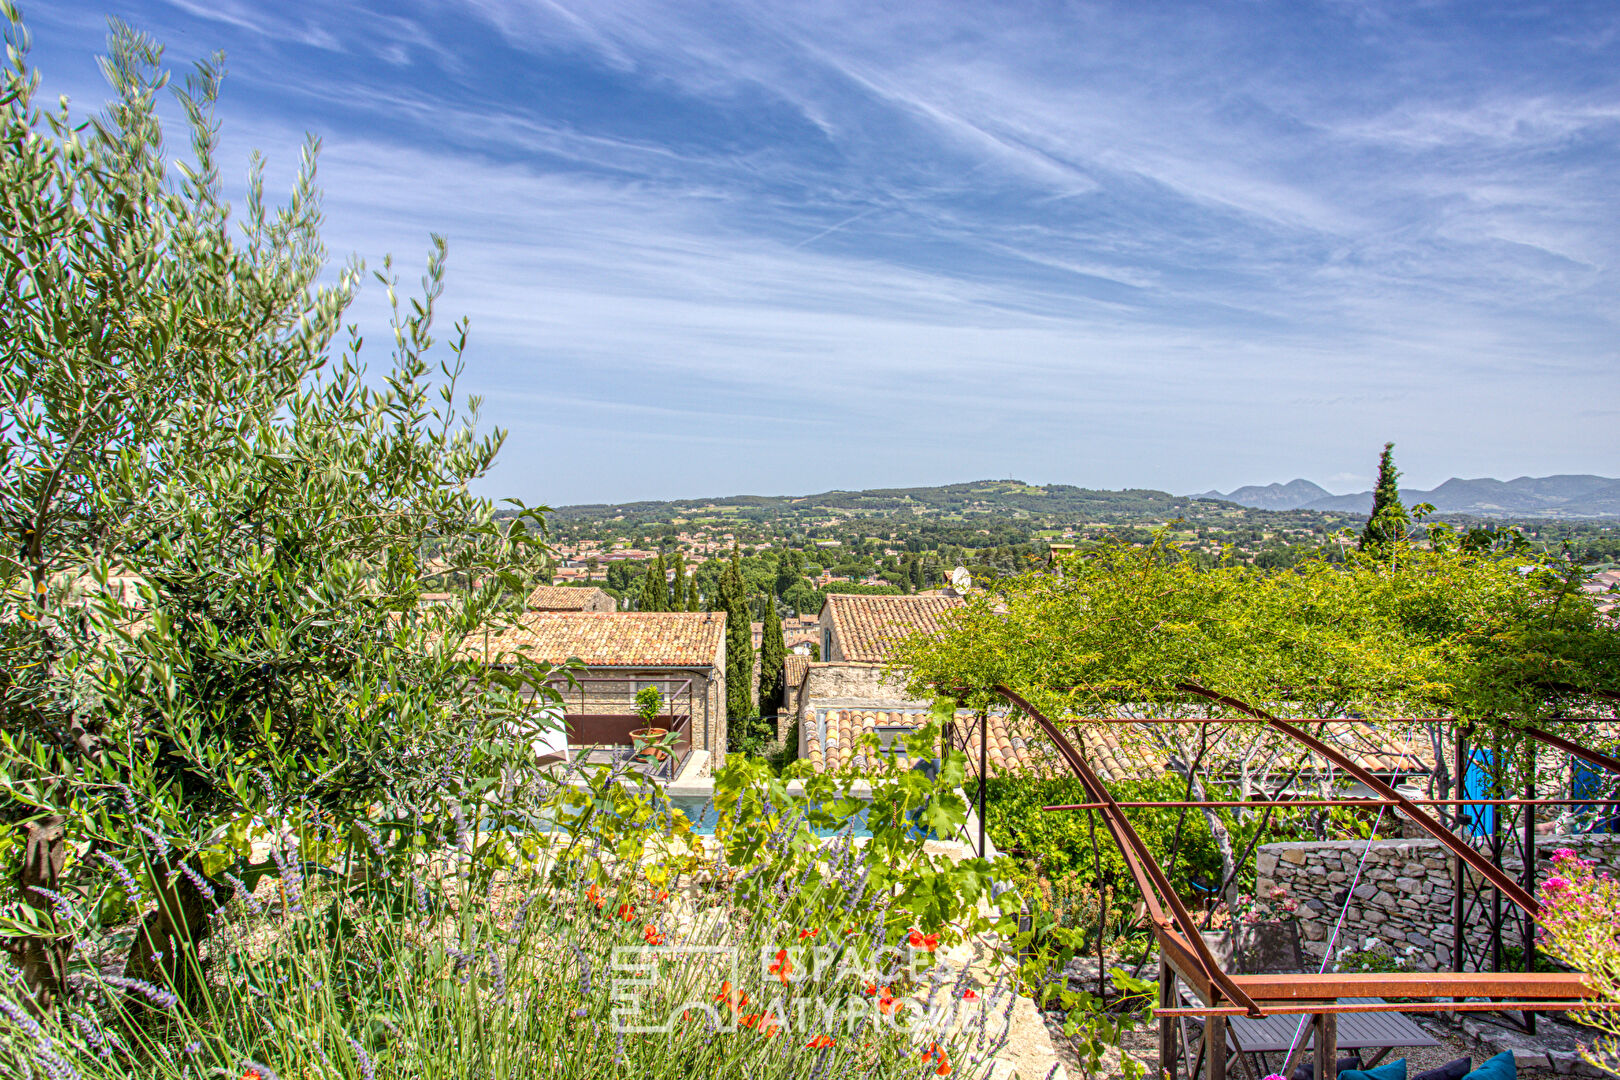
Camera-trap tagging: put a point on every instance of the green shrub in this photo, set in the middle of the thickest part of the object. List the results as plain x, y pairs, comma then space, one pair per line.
1059, 843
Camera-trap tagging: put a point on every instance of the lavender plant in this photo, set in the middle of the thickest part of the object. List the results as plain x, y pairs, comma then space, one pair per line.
598, 932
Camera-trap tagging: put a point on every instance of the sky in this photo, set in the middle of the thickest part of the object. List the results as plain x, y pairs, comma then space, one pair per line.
713, 248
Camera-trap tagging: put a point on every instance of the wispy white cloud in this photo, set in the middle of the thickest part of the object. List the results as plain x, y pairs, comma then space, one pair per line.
1102, 244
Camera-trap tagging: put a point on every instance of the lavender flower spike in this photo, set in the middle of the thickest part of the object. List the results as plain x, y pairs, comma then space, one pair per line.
244, 894
125, 878
158, 996
367, 1069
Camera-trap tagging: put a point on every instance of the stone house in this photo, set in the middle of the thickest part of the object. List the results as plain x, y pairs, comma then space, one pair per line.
858, 634
681, 653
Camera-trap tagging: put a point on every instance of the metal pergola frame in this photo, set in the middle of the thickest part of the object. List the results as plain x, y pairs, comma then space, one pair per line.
1185, 956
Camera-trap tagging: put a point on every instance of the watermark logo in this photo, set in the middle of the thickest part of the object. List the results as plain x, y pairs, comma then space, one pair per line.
809, 988
638, 970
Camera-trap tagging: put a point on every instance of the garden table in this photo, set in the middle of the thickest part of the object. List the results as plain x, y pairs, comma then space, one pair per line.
1383, 1031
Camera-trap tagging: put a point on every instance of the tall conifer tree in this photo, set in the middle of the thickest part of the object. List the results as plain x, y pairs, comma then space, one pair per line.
739, 641
1389, 522
677, 584
772, 657
654, 592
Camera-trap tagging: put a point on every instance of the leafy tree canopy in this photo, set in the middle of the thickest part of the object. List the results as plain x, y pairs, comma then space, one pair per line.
1483, 636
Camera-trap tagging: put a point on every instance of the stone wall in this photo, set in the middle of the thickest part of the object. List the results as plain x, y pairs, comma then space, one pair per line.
1404, 895
855, 682
846, 683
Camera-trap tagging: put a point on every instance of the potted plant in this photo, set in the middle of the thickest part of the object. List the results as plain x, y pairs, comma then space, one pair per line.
649, 740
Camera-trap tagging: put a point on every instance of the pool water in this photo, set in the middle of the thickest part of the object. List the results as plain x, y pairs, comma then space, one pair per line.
699, 810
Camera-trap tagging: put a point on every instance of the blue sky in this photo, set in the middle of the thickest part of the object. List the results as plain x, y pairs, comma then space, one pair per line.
712, 248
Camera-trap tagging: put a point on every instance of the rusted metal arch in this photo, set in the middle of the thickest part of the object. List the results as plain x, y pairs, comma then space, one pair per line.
1317, 804
1195, 961
1509, 888
1464, 851
1190, 958
1585, 753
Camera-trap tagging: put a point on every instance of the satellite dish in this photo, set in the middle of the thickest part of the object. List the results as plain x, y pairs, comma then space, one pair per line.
961, 579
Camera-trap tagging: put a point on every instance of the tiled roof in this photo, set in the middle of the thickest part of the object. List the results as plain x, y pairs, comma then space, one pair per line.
793, 668
612, 639
868, 626
832, 737
561, 598
1114, 751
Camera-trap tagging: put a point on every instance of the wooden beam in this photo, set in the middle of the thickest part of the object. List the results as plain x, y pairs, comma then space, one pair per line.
1536, 985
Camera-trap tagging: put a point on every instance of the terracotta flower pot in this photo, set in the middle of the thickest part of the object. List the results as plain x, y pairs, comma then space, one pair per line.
642, 736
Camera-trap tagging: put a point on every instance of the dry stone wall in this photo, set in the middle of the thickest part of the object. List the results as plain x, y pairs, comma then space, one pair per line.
1403, 899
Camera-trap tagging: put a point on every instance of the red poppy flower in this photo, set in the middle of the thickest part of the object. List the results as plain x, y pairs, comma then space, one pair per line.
766, 1025
820, 1042
889, 1005
809, 933
594, 897
661, 895
626, 912
926, 942
970, 995
936, 1053
730, 995
653, 936
783, 966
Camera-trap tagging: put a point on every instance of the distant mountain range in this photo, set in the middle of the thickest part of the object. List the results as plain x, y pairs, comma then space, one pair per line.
1528, 496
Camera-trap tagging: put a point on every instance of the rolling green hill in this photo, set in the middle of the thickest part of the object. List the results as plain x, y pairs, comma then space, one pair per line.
1011, 498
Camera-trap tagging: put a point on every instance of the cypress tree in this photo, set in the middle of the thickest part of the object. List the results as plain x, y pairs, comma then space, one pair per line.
916, 573
677, 584
654, 593
739, 641
1389, 523
772, 659
692, 592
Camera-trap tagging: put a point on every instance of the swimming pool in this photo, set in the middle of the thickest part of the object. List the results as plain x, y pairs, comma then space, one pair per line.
699, 810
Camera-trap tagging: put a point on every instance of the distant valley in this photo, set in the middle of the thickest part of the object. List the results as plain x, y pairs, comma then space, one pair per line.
1567, 496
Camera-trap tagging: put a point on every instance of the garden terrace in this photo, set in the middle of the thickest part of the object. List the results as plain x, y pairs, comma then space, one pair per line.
598, 713
1217, 993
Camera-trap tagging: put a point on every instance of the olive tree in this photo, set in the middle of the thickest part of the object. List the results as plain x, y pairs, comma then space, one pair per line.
218, 525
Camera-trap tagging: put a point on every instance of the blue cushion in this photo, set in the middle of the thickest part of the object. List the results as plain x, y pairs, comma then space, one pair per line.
1451, 1070
1500, 1067
1390, 1070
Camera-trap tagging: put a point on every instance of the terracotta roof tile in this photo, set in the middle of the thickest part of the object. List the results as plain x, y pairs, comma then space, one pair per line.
612, 639
868, 626
793, 668
1114, 751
